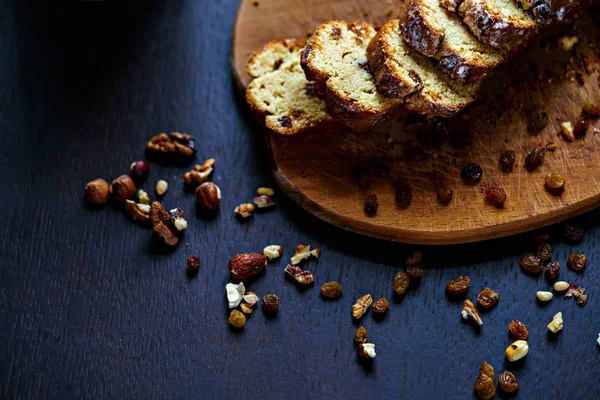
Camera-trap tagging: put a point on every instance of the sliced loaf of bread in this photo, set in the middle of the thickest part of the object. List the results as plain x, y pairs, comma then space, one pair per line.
499, 23
434, 31
555, 12
393, 62
280, 96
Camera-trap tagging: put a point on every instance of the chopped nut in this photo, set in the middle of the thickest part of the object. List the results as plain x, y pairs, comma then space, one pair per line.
366, 350
302, 277
567, 42
139, 212
193, 264
315, 253
361, 306
235, 293
246, 266
208, 196
199, 174
556, 324
143, 197
561, 286
469, 311
270, 303
265, 191
161, 187
578, 292
178, 219
244, 210
517, 350
176, 147
580, 299
331, 290
551, 145
246, 309
518, 330
123, 188
237, 319
544, 296
97, 192
250, 298
360, 336
371, 205
139, 170
566, 128
264, 202
487, 298
577, 262
381, 305
166, 224
272, 252
598, 340
303, 252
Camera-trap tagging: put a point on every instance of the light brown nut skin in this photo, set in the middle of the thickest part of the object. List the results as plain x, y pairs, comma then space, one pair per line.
208, 196
97, 192
123, 188
246, 266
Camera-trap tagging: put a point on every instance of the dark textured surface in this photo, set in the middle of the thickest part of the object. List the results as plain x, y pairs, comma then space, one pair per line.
89, 309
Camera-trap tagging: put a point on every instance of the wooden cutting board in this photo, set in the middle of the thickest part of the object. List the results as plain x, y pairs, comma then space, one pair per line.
317, 171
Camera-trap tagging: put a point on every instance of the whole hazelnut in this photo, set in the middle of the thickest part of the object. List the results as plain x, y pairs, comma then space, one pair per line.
97, 192
139, 170
208, 196
123, 188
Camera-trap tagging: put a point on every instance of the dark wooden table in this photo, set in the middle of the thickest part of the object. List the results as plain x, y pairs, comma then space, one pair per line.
90, 309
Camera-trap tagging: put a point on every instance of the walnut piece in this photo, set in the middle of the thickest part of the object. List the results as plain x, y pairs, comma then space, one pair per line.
176, 147
167, 224
303, 252
469, 311
200, 173
361, 306
139, 212
302, 277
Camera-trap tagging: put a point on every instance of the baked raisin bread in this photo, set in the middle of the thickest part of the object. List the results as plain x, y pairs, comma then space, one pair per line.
434, 31
335, 58
555, 12
280, 96
499, 23
392, 60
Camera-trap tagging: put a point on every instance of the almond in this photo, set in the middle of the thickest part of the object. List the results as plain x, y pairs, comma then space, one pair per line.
246, 266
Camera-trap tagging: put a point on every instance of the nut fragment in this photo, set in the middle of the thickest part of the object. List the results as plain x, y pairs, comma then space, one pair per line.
469, 311
139, 212
244, 210
556, 324
381, 305
508, 382
331, 290
161, 187
97, 192
234, 293
178, 219
315, 253
361, 306
458, 285
250, 298
566, 128
247, 265
567, 42
193, 264
123, 188
270, 303
366, 350
176, 147
167, 224
544, 296
578, 293
561, 286
401, 283
237, 319
577, 262
302, 277
264, 202
487, 298
138, 170
143, 197
518, 330
199, 174
517, 350
272, 252
265, 191
303, 252
246, 309
208, 196
551, 145
360, 336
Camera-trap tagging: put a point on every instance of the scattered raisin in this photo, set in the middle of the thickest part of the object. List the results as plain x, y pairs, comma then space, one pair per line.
518, 330
592, 110
507, 160
555, 182
360, 336
487, 298
458, 285
544, 252
285, 121
270, 302
403, 194
484, 385
414, 258
486, 369
331, 290
377, 167
363, 179
552, 271
581, 126
444, 195
414, 271
537, 122
540, 237
371, 205
534, 159
237, 319
572, 234
495, 196
380, 306
193, 264
577, 261
401, 283
309, 89
471, 174
531, 263
508, 382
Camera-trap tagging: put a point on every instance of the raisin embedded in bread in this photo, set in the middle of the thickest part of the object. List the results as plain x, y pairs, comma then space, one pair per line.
279, 95
499, 23
335, 58
434, 31
555, 12
391, 59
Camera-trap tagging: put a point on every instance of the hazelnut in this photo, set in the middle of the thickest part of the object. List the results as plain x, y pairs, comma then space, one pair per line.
161, 187
208, 196
138, 170
123, 188
97, 192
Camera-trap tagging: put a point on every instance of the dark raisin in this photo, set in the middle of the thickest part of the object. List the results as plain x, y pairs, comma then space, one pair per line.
508, 382
537, 122
540, 237
193, 265
592, 110
555, 183
552, 271
297, 114
360, 336
362, 176
380, 306
458, 285
534, 159
581, 126
531, 263
403, 194
371, 205
414, 258
495, 196
507, 160
414, 271
401, 283
487, 298
577, 262
309, 89
544, 252
285, 121
336, 33
572, 234
378, 168
518, 330
471, 174
444, 195
270, 303
364, 64
485, 387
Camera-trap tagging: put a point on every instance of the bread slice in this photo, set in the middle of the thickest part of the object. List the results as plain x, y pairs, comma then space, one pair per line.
434, 31
499, 23
280, 96
393, 62
336, 59
555, 12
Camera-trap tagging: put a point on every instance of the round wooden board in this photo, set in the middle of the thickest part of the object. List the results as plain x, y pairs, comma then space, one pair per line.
317, 171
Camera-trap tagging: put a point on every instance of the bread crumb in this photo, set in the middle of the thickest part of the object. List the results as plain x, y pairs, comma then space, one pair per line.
566, 128
567, 42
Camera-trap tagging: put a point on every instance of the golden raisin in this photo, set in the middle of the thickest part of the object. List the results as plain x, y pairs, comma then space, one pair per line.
270, 302
518, 330
531, 263
495, 196
555, 182
401, 283
484, 385
331, 290
237, 319
487, 298
414, 271
380, 306
534, 159
458, 285
544, 252
360, 336
552, 271
487, 370
508, 382
577, 262
572, 234
507, 160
